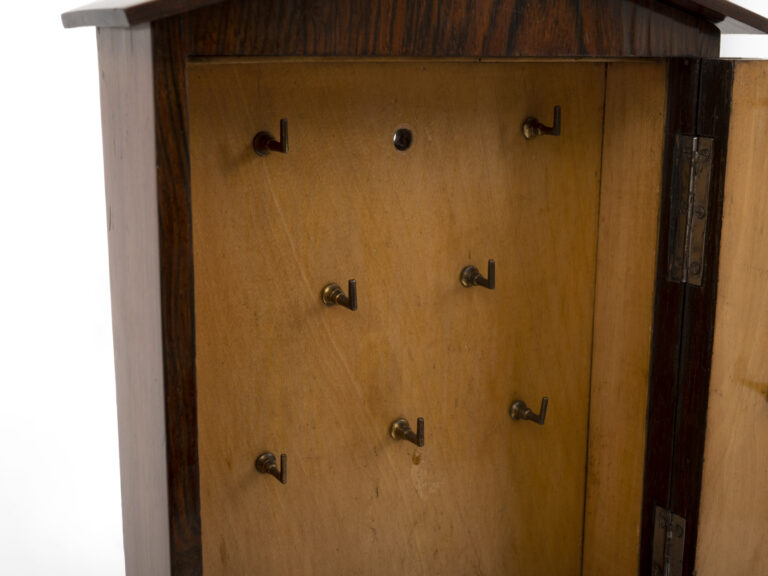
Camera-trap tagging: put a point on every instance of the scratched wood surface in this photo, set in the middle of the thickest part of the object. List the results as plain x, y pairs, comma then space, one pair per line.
278, 371
733, 520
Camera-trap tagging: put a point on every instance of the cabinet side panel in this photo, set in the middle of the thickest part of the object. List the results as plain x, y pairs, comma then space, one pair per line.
626, 267
734, 502
125, 63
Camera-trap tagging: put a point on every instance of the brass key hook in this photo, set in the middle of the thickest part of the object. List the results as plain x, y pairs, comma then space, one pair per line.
519, 411
532, 127
333, 294
264, 142
401, 430
266, 463
471, 276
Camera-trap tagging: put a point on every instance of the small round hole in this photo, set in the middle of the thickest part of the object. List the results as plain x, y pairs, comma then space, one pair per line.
403, 139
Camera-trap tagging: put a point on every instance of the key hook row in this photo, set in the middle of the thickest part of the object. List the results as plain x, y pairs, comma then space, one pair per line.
333, 295
400, 429
264, 142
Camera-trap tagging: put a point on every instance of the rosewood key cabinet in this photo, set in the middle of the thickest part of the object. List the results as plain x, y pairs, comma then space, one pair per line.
437, 287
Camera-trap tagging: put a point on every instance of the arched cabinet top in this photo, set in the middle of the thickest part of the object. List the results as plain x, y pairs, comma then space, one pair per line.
729, 17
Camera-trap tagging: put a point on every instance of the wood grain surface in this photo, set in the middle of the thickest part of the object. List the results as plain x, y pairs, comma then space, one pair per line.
177, 295
302, 28
635, 114
125, 65
123, 13
464, 28
278, 371
734, 501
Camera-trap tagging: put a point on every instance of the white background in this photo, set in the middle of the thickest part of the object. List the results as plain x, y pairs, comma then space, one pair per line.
59, 472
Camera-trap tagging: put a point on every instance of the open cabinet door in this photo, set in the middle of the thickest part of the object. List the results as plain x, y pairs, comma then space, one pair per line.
699, 98
705, 504
733, 524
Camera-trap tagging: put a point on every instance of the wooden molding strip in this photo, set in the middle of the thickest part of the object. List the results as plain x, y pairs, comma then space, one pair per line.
730, 18
126, 13
123, 14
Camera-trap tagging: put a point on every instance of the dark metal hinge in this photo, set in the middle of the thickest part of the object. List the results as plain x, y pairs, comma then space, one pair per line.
668, 544
691, 176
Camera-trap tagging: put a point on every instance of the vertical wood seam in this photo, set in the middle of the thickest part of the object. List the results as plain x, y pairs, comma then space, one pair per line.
594, 315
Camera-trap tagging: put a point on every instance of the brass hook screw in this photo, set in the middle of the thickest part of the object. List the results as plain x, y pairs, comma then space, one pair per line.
471, 276
401, 430
333, 294
266, 463
264, 142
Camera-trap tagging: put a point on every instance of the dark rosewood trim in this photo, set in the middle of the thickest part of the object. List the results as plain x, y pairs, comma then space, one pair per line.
714, 111
684, 319
177, 290
130, 13
451, 28
682, 82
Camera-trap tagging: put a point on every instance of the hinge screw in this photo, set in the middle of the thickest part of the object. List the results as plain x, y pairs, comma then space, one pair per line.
695, 268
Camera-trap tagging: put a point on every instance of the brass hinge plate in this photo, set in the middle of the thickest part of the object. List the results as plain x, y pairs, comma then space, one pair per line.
691, 178
668, 543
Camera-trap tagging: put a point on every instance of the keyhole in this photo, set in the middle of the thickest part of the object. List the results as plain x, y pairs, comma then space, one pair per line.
403, 139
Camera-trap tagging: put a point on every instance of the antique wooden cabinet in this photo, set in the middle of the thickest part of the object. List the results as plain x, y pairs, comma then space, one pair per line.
296, 193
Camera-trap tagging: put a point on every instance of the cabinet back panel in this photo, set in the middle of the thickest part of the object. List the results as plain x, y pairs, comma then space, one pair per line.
279, 371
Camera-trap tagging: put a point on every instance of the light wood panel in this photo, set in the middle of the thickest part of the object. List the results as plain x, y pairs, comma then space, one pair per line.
278, 371
635, 111
733, 525
128, 123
